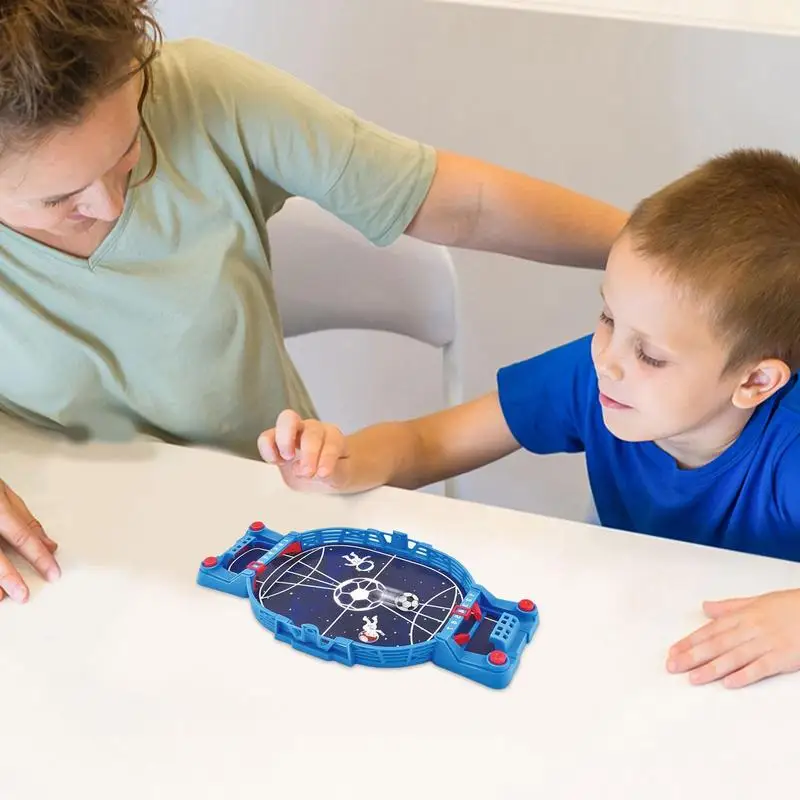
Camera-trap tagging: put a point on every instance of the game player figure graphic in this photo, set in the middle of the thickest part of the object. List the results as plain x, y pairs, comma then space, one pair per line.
370, 633
364, 564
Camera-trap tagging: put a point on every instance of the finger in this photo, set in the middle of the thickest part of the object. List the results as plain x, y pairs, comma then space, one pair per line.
2, 595
312, 441
757, 670
11, 581
717, 608
24, 512
710, 649
734, 660
708, 631
268, 449
288, 428
24, 533
333, 451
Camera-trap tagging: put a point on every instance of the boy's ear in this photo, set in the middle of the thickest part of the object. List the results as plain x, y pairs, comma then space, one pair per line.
760, 382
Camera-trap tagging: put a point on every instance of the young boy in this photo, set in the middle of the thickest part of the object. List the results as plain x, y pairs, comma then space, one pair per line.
685, 400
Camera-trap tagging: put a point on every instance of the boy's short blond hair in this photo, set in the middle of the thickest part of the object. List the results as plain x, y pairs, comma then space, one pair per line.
729, 233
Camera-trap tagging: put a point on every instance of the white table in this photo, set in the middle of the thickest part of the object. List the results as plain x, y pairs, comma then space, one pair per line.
127, 680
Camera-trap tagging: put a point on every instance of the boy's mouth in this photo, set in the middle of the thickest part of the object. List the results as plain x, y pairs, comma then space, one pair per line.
609, 402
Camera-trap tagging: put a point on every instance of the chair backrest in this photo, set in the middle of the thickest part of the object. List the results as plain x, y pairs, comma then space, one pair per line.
328, 276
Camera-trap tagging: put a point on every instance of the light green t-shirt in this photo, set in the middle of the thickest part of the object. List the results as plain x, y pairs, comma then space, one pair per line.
171, 328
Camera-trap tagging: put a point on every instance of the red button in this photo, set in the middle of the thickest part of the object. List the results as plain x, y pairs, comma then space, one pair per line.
526, 605
257, 526
211, 561
498, 658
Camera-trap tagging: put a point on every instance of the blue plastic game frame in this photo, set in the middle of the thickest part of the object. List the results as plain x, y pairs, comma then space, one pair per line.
510, 625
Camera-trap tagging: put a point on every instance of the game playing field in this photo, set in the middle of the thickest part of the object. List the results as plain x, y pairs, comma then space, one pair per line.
355, 592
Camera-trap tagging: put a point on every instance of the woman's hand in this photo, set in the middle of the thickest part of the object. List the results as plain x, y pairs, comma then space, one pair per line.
22, 532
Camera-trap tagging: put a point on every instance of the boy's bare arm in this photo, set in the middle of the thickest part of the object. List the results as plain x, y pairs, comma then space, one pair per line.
410, 454
442, 445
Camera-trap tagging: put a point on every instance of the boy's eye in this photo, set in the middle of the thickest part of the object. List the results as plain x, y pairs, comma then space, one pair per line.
54, 203
649, 360
640, 354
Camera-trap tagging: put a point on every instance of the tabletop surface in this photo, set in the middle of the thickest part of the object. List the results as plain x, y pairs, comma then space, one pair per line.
760, 16
125, 679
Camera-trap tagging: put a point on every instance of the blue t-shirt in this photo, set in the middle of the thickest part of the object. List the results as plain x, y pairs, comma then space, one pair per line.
747, 499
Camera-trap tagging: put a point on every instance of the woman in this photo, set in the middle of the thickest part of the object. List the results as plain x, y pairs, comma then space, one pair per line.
135, 185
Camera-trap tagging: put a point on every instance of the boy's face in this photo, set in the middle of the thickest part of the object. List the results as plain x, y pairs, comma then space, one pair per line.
658, 361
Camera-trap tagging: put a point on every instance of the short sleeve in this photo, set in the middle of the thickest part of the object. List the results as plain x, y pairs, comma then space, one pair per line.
786, 483
545, 399
309, 145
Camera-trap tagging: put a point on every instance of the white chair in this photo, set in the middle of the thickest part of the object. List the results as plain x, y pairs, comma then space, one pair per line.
327, 276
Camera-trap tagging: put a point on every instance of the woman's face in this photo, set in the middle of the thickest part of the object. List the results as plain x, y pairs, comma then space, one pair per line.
77, 175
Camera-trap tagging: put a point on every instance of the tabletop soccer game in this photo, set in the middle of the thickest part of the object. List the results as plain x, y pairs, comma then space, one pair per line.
362, 596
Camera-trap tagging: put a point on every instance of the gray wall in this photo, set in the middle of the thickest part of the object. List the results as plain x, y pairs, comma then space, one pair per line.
610, 107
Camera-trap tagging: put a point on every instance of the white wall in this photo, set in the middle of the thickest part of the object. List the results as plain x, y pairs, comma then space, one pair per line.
773, 16
610, 107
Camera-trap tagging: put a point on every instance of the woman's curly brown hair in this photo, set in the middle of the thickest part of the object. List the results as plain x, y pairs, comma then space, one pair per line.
59, 57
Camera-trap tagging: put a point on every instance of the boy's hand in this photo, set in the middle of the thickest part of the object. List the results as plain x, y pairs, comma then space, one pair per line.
748, 639
20, 529
311, 455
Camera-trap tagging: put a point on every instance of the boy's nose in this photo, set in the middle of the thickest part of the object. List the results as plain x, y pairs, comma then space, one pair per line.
608, 368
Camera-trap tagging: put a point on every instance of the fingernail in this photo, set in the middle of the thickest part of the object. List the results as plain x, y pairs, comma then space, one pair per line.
53, 573
671, 665
18, 593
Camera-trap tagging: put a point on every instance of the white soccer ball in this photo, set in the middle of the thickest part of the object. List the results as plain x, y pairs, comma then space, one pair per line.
358, 594
407, 601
